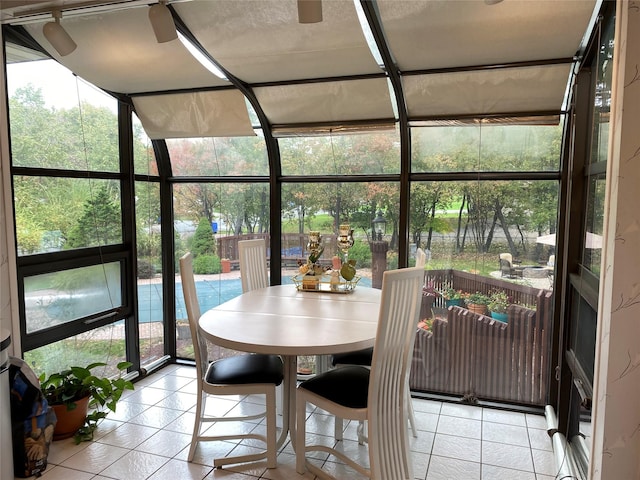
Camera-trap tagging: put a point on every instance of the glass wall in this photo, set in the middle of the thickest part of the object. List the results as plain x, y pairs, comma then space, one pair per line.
214, 157
150, 284
69, 201
480, 199
149, 266
105, 344
341, 154
324, 206
483, 147
587, 214
486, 317
210, 217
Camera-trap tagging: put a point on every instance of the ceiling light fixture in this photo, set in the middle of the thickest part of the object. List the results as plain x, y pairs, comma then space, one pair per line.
58, 36
309, 11
492, 2
162, 22
198, 55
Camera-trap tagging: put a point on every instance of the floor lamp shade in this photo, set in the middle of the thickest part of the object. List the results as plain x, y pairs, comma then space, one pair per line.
58, 37
162, 23
309, 11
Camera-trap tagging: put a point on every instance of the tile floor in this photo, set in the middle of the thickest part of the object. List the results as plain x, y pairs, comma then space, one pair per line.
148, 438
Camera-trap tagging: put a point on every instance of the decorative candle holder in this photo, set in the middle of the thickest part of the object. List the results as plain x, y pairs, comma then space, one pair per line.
345, 240
315, 247
314, 241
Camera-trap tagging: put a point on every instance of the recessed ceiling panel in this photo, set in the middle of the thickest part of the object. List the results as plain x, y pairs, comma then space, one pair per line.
326, 102
262, 41
118, 51
508, 90
457, 33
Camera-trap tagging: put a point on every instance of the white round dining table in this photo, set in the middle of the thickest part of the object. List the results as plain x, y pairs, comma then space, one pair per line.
285, 321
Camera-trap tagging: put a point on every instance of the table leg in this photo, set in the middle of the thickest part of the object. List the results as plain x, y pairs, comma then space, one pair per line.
289, 399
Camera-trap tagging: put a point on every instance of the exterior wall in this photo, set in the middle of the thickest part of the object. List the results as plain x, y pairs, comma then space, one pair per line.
616, 420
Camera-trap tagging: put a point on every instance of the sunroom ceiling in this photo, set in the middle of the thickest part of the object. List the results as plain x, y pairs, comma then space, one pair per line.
261, 40
436, 34
454, 58
118, 51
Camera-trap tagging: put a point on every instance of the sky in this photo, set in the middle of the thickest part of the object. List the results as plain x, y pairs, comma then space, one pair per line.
58, 85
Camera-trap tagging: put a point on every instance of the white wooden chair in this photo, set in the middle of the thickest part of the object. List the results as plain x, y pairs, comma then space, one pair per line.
377, 395
253, 264
252, 255
246, 374
363, 357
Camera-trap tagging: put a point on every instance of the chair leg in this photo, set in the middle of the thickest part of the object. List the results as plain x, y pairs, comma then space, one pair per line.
412, 418
197, 426
338, 428
271, 429
301, 419
362, 432
279, 404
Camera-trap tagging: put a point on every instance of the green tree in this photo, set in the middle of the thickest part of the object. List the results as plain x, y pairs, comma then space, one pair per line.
99, 223
203, 241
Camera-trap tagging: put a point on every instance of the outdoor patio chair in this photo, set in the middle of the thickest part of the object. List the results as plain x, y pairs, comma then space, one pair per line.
507, 269
552, 261
508, 257
377, 395
239, 375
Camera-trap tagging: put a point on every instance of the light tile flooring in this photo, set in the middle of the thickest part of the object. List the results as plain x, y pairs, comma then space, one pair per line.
149, 436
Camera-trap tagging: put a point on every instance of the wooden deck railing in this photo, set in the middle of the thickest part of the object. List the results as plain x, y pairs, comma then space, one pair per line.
476, 356
470, 283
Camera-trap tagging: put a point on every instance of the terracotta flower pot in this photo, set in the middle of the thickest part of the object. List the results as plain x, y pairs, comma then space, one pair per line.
69, 421
226, 265
477, 308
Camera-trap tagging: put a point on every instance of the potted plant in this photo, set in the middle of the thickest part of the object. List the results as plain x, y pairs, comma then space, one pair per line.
73, 392
498, 303
452, 297
477, 302
426, 324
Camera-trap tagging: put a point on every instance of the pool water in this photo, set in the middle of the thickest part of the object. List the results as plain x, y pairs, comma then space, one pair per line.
211, 293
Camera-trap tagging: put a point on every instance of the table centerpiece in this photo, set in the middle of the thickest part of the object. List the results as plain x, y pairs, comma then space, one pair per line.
315, 277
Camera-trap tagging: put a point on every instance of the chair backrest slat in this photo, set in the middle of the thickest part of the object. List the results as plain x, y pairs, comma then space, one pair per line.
253, 264
397, 323
193, 313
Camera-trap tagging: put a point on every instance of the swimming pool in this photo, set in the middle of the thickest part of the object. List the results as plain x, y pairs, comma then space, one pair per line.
211, 293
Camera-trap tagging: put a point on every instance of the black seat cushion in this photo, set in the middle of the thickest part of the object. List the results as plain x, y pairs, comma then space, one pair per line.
359, 357
253, 368
347, 386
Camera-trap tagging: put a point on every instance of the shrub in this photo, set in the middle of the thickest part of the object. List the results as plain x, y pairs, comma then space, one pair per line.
361, 253
203, 240
207, 264
146, 269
